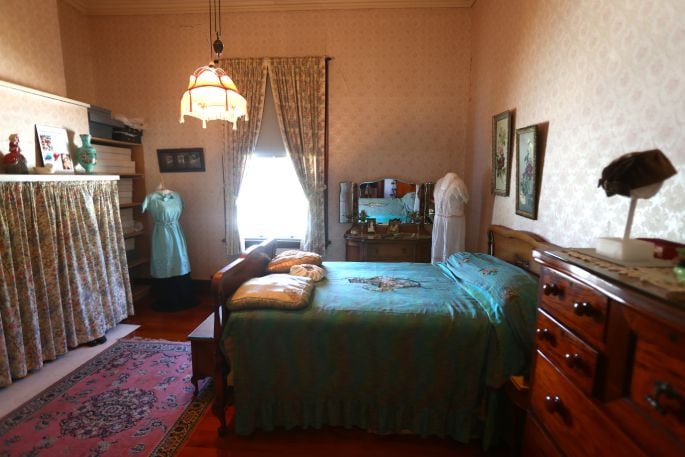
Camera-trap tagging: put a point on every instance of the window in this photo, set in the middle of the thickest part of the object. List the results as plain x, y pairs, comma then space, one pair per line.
271, 202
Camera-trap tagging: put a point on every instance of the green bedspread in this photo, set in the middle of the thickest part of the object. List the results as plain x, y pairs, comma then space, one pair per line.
387, 347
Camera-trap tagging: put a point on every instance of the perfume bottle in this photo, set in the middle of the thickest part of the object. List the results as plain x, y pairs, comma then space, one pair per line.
679, 269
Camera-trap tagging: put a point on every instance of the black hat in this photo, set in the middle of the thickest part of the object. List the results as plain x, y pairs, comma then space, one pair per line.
635, 169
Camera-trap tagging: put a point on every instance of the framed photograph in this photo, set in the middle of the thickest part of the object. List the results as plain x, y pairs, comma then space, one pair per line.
501, 153
54, 148
394, 226
181, 160
527, 172
371, 225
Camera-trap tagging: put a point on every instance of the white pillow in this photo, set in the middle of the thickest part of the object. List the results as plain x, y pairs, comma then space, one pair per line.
315, 272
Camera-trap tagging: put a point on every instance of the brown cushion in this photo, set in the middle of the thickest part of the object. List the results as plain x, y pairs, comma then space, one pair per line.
279, 291
286, 259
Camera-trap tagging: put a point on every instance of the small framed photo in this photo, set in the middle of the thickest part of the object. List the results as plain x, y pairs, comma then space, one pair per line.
394, 226
501, 153
54, 148
527, 173
181, 160
371, 225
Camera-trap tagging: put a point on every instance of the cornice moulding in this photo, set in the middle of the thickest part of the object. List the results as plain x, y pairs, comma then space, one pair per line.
143, 7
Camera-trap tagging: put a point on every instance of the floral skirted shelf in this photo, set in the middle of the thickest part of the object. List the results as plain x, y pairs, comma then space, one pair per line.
63, 274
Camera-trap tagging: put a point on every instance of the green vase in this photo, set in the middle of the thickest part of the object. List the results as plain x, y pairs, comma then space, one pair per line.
86, 154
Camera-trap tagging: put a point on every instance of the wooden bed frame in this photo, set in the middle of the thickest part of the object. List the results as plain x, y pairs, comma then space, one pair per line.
513, 246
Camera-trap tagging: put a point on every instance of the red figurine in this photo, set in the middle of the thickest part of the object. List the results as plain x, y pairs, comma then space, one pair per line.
14, 162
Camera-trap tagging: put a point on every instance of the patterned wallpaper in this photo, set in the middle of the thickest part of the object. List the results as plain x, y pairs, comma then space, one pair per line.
78, 53
30, 46
20, 111
608, 78
398, 95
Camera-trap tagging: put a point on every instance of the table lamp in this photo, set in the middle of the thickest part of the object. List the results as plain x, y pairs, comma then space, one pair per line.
635, 175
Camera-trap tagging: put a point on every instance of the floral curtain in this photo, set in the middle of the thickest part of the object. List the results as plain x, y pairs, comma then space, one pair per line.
63, 274
250, 77
299, 86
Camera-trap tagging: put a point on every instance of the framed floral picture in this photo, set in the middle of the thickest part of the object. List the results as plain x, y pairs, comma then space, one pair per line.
527, 172
501, 153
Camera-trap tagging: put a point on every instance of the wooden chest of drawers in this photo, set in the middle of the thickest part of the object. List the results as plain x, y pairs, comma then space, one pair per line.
609, 370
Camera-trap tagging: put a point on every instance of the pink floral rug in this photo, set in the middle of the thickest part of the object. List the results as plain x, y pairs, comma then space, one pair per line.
133, 399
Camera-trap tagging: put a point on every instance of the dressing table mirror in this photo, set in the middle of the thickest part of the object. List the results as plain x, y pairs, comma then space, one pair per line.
387, 199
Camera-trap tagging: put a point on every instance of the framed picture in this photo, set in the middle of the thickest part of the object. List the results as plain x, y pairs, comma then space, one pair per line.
371, 225
527, 172
501, 153
394, 226
181, 160
54, 148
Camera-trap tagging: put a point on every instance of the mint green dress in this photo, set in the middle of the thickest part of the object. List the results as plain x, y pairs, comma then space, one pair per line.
169, 256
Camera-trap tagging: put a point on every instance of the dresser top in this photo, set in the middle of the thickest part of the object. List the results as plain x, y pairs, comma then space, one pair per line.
656, 281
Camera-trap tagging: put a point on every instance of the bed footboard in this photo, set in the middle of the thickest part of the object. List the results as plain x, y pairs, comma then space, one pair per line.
225, 282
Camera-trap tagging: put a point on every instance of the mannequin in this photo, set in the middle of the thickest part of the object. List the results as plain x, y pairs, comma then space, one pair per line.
449, 225
169, 263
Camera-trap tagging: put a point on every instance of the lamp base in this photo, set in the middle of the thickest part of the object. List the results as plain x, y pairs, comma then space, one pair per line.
625, 249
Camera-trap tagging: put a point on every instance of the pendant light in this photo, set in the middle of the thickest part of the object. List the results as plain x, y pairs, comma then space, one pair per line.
211, 94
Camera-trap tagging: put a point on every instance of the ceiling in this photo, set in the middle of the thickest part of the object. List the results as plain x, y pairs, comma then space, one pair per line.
127, 7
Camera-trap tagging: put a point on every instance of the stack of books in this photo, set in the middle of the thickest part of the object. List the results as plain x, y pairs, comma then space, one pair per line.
125, 190
127, 221
128, 226
114, 160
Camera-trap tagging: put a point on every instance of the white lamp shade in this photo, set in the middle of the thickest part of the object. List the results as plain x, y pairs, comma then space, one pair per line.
212, 95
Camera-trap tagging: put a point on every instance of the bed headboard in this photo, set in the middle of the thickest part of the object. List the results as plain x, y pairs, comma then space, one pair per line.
516, 246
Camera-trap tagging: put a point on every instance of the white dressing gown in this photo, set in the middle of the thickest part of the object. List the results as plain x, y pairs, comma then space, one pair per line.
449, 225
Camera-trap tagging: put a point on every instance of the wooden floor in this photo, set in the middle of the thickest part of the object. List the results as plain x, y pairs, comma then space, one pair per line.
330, 442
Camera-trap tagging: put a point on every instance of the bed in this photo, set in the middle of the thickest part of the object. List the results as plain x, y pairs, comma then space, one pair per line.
385, 347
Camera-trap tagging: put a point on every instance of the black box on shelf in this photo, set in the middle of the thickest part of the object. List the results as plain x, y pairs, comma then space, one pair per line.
100, 122
128, 134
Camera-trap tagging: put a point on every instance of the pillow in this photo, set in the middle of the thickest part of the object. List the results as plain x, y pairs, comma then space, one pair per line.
315, 272
286, 259
507, 293
276, 291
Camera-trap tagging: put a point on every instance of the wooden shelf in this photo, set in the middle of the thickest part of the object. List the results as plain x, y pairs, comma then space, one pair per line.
129, 205
136, 241
125, 144
140, 291
134, 234
138, 262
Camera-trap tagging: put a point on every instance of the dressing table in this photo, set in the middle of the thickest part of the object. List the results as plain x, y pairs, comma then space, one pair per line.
412, 243
407, 205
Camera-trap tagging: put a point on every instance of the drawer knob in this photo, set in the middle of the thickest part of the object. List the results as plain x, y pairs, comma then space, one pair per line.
582, 309
551, 289
663, 388
544, 334
573, 360
552, 403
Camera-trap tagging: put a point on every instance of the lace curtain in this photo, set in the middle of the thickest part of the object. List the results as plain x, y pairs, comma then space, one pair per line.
299, 90
63, 274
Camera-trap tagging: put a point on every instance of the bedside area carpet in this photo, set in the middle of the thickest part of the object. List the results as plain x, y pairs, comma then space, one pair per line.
134, 398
